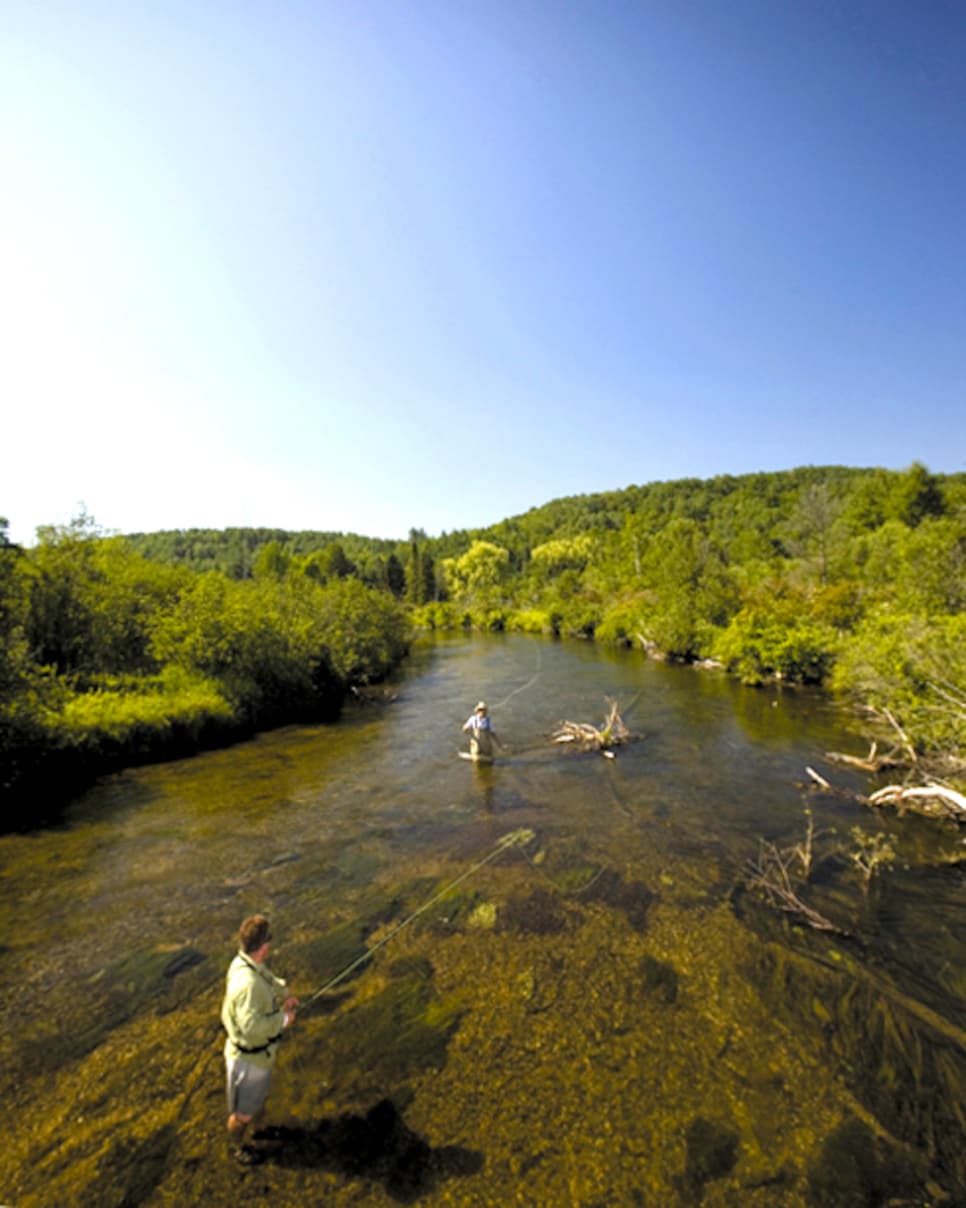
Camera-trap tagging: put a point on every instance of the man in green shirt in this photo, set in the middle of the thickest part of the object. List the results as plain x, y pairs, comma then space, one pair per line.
254, 1014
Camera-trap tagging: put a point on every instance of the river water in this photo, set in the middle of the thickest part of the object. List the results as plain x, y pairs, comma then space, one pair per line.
597, 1013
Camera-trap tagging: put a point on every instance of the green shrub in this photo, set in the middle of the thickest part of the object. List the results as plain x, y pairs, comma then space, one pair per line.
759, 645
363, 632
914, 666
437, 616
620, 624
531, 620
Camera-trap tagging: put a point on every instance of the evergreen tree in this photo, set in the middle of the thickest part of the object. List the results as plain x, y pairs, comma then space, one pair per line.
428, 591
395, 577
414, 577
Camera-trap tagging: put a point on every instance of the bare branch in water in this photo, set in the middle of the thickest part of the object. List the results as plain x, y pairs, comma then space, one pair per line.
771, 872
611, 734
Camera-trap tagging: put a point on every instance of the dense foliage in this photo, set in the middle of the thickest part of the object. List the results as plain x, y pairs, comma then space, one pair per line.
853, 578
108, 657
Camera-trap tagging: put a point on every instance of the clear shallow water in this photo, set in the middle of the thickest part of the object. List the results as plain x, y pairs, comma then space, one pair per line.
600, 1017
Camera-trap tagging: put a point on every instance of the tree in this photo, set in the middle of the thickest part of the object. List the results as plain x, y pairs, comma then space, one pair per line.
427, 570
570, 553
395, 577
811, 525
479, 572
92, 601
335, 563
14, 598
272, 561
916, 495
414, 577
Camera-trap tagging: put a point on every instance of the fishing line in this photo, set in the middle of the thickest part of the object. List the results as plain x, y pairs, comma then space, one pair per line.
515, 838
523, 687
566, 893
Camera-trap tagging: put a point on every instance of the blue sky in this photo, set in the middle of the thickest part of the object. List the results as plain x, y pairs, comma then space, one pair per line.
374, 265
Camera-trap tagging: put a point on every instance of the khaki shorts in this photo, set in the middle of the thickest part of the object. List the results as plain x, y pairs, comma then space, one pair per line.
247, 1086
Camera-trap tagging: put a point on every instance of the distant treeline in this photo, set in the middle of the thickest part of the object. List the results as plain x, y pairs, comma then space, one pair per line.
116, 648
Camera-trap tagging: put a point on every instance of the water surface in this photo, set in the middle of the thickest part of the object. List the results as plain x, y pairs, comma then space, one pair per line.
602, 1016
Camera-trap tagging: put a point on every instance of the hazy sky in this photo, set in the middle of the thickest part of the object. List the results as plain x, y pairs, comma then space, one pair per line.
370, 265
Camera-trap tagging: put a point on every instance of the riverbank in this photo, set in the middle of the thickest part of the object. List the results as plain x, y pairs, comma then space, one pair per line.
59, 755
107, 661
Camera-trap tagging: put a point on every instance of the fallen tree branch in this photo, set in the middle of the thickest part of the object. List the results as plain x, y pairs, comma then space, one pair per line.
611, 734
903, 736
771, 873
819, 780
931, 799
833, 789
935, 799
873, 762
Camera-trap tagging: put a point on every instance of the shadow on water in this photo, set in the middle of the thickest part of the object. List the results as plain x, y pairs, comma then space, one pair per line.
377, 1146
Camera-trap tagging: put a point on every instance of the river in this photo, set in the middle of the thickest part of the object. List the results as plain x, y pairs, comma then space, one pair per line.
596, 1013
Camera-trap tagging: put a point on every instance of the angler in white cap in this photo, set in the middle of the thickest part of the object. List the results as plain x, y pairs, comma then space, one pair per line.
482, 734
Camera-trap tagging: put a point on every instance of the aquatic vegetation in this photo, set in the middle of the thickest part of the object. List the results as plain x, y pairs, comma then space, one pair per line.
401, 1032
633, 898
483, 916
871, 852
333, 949
659, 979
856, 1167
538, 912
711, 1154
905, 1064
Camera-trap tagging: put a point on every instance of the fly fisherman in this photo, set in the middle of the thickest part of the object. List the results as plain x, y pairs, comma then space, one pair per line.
254, 1015
482, 734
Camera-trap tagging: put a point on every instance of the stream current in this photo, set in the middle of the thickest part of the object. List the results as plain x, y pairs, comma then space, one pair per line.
603, 1015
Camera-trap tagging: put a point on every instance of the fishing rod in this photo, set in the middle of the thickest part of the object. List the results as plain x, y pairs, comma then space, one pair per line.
517, 838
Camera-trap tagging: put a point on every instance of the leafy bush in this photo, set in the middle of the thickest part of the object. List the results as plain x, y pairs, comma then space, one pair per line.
620, 624
364, 633
579, 618
438, 616
914, 666
759, 645
531, 620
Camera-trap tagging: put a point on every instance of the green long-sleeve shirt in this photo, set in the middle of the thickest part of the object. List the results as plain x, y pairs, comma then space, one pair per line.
251, 1013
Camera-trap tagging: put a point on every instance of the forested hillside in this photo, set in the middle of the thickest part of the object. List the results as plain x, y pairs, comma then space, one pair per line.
114, 646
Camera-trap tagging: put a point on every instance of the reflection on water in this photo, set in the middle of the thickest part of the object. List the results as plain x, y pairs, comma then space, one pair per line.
601, 1016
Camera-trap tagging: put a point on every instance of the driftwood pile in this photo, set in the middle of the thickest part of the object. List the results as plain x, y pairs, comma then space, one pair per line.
593, 738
